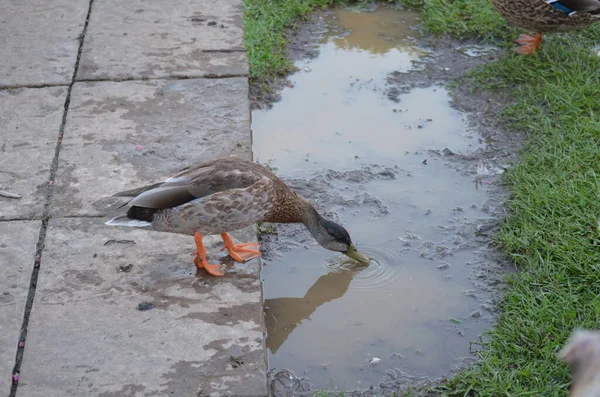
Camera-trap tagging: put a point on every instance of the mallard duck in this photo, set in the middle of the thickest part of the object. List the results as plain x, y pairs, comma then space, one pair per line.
546, 16
222, 195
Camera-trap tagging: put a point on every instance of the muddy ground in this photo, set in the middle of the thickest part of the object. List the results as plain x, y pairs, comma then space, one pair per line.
447, 61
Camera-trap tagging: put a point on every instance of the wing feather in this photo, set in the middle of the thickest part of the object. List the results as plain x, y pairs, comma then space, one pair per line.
200, 180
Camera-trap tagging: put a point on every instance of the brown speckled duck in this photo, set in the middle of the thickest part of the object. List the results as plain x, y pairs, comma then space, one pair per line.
223, 195
546, 16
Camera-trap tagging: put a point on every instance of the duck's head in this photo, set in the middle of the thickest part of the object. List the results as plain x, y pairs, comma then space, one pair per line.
335, 238
328, 234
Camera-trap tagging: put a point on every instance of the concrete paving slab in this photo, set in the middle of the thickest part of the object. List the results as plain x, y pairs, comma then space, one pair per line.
30, 120
39, 41
17, 253
152, 38
122, 135
87, 337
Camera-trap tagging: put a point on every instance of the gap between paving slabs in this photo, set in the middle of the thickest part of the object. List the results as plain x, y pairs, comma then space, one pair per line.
44, 226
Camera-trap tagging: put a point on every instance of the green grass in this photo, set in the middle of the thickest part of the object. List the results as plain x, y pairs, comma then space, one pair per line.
551, 231
464, 19
266, 22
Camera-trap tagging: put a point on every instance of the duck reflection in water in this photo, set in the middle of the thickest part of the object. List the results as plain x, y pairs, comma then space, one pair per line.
282, 315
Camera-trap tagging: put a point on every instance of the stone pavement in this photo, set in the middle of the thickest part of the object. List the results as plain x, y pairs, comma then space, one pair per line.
98, 96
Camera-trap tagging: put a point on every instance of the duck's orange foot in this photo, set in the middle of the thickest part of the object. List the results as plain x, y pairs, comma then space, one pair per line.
241, 252
528, 44
200, 260
215, 270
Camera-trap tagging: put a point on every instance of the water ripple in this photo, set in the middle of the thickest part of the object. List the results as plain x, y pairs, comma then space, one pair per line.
382, 270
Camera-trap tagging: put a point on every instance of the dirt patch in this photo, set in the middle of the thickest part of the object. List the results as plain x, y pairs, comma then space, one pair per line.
336, 192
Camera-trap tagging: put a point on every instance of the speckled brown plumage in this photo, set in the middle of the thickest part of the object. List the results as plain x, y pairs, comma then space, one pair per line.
217, 196
541, 17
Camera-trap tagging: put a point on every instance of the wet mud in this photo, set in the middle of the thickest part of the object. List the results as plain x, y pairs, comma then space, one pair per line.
370, 131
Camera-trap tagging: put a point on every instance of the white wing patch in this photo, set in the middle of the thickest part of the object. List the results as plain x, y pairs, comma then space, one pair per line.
124, 221
177, 179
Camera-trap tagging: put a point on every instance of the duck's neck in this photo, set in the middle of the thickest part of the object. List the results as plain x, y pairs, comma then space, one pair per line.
312, 220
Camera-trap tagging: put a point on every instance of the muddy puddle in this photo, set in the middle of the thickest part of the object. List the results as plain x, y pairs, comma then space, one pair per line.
386, 168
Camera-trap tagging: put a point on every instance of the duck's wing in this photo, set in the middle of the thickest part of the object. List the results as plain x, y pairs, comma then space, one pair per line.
591, 6
200, 180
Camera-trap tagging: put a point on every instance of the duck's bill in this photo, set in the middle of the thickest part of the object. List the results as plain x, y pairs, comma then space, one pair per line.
357, 256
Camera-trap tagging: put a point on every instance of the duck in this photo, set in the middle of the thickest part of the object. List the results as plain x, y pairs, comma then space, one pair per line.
543, 16
222, 195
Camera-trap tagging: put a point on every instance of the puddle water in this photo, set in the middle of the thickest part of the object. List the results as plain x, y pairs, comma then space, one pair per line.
366, 161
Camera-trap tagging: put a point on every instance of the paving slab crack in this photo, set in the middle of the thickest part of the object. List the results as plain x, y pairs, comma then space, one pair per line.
46, 214
132, 78
19, 219
18, 86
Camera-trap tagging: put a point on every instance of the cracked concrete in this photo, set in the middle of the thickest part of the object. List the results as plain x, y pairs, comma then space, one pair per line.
38, 41
117, 311
86, 319
30, 119
17, 249
143, 39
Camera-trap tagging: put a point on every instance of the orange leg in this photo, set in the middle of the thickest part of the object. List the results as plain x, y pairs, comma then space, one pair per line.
528, 44
201, 261
241, 252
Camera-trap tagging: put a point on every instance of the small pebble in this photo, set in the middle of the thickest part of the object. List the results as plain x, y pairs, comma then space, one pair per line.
126, 268
212, 23
374, 361
145, 306
476, 314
